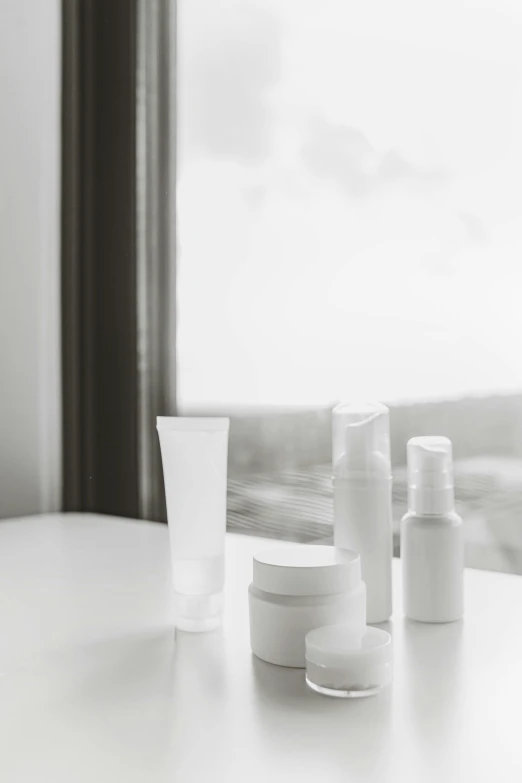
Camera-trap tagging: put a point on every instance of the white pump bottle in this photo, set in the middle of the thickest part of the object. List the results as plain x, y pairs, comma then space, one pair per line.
362, 497
432, 535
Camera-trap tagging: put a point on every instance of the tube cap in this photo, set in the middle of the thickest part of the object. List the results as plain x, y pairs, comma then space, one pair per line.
361, 439
198, 612
430, 475
307, 569
342, 663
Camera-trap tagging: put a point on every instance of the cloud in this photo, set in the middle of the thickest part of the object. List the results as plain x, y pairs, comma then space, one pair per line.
475, 227
344, 155
226, 81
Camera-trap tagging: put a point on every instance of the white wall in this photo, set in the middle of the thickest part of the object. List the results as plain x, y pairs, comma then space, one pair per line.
30, 57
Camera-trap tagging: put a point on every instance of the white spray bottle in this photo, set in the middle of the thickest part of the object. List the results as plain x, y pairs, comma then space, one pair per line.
432, 535
363, 497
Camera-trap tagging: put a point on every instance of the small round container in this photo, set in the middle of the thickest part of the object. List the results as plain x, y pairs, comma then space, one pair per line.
345, 664
298, 588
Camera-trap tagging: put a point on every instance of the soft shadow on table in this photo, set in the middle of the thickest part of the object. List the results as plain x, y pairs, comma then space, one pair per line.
433, 687
106, 698
353, 734
204, 721
126, 667
111, 669
201, 664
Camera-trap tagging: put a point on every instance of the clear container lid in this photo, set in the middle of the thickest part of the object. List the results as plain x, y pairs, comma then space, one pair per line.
340, 662
306, 569
361, 440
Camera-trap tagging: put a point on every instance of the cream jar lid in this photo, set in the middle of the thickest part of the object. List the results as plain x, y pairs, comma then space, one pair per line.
306, 569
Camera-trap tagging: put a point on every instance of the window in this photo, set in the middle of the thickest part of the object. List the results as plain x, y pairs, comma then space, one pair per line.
350, 226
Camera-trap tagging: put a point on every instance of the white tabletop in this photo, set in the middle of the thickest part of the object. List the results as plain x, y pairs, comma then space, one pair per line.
94, 685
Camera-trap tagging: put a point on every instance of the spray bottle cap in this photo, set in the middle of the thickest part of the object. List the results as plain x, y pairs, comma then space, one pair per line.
430, 475
361, 440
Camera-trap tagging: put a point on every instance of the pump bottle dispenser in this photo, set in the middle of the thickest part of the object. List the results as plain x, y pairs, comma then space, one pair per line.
432, 535
362, 497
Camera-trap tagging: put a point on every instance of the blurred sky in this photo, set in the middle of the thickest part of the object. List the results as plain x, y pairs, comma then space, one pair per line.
349, 200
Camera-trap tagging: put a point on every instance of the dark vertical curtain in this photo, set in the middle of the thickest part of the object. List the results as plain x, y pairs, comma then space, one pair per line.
117, 259
156, 225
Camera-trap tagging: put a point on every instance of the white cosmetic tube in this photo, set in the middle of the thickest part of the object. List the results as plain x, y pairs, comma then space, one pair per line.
194, 455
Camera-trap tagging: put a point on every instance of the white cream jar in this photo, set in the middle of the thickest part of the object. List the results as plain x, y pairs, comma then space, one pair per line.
296, 589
